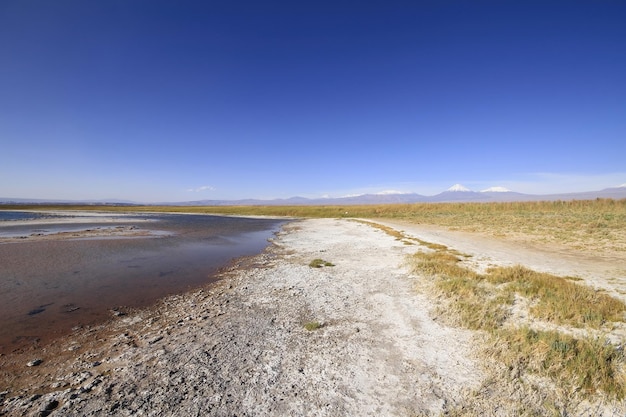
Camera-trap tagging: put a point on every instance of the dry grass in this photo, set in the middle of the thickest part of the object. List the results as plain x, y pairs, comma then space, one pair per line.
577, 364
390, 231
484, 302
592, 225
560, 300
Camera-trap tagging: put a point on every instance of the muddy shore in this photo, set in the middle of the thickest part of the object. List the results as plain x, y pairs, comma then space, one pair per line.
273, 337
63, 271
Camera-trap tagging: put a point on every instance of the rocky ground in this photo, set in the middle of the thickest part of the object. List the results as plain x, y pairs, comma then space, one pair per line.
274, 337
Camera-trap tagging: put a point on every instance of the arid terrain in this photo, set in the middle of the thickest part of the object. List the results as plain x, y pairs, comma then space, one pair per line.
361, 335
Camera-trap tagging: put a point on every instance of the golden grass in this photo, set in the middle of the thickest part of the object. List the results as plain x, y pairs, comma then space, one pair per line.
558, 299
593, 225
390, 231
585, 364
484, 301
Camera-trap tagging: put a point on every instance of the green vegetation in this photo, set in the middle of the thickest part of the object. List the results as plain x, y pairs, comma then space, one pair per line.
320, 263
312, 325
484, 302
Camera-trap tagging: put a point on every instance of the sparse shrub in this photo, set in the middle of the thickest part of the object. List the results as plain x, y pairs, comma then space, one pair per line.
320, 263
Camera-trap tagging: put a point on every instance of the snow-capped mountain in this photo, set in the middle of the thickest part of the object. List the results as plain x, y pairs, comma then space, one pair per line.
496, 190
458, 187
457, 193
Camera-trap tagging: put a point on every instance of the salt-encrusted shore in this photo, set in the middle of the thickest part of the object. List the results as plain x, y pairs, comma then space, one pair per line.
75, 225
273, 337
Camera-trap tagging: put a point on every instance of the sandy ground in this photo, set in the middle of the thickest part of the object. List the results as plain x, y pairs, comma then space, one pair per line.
240, 347
605, 271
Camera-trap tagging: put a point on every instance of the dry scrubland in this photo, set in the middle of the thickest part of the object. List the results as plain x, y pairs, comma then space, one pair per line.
588, 225
548, 343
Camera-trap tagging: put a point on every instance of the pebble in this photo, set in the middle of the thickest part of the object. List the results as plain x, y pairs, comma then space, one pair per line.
35, 362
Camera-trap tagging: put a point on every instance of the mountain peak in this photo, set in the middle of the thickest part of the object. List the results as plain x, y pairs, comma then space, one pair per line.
622, 186
390, 192
496, 190
458, 187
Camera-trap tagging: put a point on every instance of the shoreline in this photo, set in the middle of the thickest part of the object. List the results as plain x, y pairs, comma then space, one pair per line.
274, 336
240, 345
55, 279
96, 225
79, 225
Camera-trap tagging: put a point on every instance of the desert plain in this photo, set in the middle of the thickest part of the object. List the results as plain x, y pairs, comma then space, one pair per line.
339, 317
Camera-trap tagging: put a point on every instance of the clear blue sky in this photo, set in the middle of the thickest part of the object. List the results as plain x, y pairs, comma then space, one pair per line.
152, 100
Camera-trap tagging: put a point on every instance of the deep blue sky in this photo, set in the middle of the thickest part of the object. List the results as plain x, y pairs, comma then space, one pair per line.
186, 100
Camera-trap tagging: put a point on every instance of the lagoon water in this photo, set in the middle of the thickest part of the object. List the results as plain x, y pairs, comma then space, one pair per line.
48, 287
18, 215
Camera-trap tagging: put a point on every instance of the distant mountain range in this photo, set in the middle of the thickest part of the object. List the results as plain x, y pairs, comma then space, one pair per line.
456, 193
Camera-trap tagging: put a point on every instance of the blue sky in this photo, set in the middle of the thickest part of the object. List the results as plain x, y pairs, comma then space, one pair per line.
152, 100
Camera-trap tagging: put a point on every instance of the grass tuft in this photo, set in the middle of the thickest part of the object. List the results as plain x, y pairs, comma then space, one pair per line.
560, 300
585, 364
320, 263
313, 325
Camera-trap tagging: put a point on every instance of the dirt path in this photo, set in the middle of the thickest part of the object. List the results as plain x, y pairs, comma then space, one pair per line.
598, 270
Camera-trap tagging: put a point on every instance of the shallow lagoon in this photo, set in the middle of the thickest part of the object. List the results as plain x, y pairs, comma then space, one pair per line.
47, 287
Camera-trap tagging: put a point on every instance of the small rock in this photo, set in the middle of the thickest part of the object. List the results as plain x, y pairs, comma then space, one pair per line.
35, 362
80, 378
51, 405
58, 384
36, 311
